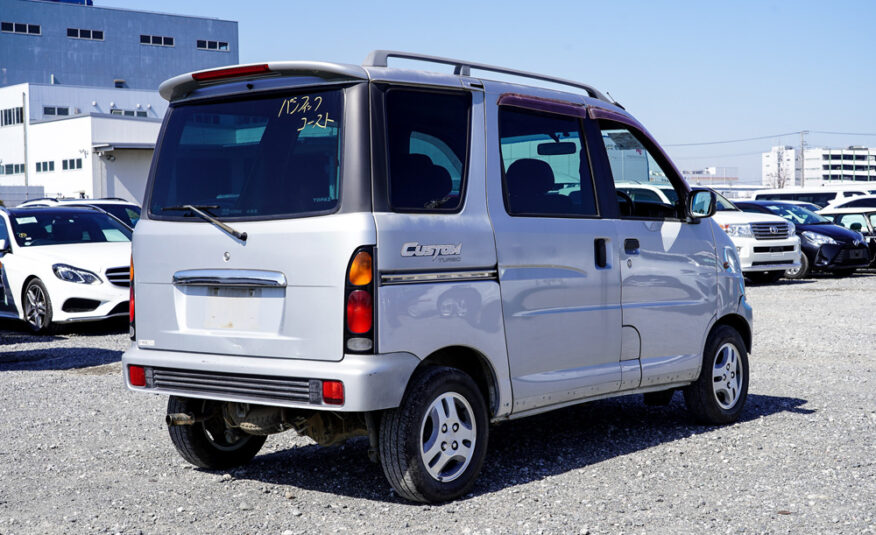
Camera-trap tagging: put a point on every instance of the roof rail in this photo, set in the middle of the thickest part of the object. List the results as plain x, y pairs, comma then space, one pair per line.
378, 58
41, 199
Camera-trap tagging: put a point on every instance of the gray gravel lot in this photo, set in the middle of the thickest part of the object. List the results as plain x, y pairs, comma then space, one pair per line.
80, 454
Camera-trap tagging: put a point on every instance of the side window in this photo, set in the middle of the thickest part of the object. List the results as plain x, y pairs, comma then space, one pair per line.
546, 171
633, 163
4, 233
853, 222
873, 220
427, 146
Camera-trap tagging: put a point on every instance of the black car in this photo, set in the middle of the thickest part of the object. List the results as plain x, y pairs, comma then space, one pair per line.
826, 246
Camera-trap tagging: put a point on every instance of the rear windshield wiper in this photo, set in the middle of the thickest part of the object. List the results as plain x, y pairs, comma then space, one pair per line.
199, 211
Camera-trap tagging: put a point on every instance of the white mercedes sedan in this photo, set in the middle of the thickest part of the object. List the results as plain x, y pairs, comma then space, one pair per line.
60, 265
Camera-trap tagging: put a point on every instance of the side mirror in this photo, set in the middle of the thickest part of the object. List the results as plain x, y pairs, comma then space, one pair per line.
701, 203
4, 245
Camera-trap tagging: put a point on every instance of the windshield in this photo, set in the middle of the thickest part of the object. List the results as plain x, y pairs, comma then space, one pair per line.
251, 159
723, 205
51, 227
797, 214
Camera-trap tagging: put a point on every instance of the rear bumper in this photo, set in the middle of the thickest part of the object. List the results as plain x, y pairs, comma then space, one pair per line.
371, 382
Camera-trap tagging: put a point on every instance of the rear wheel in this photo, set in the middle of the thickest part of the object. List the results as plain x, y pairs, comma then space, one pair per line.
762, 277
37, 307
433, 446
719, 394
210, 443
801, 272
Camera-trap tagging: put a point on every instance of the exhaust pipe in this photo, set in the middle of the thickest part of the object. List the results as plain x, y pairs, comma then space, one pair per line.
179, 418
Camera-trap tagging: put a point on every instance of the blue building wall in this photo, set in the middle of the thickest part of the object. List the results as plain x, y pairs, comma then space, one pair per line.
35, 58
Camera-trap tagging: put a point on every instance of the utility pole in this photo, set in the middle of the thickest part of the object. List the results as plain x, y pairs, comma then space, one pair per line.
802, 158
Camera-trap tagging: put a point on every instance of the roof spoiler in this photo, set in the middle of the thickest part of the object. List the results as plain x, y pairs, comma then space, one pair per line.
180, 86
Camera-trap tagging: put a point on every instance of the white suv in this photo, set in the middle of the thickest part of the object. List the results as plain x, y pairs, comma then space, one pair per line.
342, 249
767, 245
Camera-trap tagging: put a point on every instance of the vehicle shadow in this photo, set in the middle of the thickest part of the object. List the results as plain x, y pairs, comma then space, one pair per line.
17, 332
63, 358
520, 451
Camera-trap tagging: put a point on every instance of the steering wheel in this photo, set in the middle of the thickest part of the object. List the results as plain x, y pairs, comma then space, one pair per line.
625, 203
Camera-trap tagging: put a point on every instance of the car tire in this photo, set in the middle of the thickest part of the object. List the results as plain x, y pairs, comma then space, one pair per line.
433, 446
37, 307
764, 277
210, 443
718, 395
799, 273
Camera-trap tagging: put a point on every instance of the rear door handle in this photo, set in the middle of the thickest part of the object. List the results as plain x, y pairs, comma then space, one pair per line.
631, 246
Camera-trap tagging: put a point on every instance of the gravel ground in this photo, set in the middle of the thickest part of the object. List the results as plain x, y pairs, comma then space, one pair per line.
82, 455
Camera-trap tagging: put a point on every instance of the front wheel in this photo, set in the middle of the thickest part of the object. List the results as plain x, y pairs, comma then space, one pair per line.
433, 446
718, 395
210, 443
37, 307
800, 272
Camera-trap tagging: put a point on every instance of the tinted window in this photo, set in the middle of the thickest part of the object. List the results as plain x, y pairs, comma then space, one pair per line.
861, 203
427, 146
48, 227
128, 215
820, 199
546, 170
4, 233
254, 158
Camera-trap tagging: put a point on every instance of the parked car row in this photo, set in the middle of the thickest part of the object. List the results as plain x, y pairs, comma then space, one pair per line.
65, 261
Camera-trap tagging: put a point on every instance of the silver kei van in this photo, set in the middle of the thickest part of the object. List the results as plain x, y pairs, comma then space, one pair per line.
363, 250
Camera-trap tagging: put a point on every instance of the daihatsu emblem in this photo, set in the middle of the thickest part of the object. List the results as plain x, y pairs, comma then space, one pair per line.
226, 256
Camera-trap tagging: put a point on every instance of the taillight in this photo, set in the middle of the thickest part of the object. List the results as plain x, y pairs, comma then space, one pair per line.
137, 375
131, 301
231, 72
359, 302
333, 392
360, 312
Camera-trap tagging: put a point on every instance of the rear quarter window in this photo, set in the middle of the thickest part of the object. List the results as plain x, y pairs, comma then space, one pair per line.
427, 149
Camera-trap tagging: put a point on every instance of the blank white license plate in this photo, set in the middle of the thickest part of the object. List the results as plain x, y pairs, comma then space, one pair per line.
233, 309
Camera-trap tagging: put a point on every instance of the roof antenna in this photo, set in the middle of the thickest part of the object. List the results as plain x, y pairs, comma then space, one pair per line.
616, 103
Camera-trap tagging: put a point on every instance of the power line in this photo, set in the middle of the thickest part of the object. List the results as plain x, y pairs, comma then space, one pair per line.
768, 137
713, 157
730, 140
842, 133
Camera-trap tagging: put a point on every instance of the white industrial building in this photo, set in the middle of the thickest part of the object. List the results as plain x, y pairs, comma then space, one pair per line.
82, 142
782, 166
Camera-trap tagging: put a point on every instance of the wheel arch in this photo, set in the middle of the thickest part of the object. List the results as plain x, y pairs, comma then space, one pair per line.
472, 362
739, 324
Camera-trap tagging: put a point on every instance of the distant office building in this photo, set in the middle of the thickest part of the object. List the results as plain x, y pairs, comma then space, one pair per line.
820, 166
77, 44
79, 104
710, 176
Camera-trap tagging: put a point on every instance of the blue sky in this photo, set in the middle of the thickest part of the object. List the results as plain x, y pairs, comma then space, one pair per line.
692, 72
